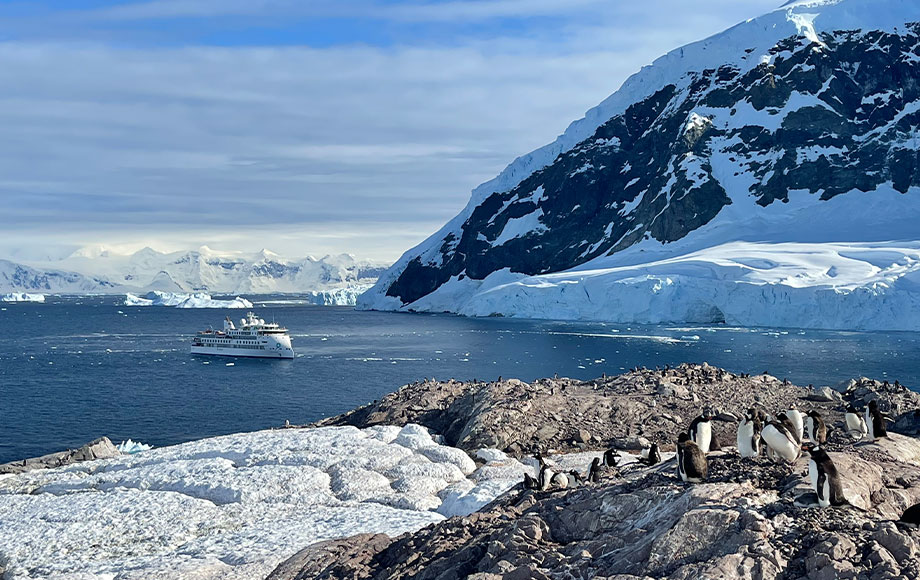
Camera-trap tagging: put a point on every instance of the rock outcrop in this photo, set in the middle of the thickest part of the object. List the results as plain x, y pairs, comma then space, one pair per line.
752, 518
626, 411
98, 449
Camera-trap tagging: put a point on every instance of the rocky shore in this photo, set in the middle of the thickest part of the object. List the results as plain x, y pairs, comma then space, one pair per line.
752, 518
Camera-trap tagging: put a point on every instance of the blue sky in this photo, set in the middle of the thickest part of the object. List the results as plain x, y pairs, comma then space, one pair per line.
303, 126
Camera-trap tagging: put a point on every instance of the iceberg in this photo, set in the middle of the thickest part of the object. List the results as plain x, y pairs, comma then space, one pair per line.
22, 297
237, 505
179, 300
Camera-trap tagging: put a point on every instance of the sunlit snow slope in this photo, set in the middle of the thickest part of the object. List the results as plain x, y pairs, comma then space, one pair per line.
768, 175
233, 507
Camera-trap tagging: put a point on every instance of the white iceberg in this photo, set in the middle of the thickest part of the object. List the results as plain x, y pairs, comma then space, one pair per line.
22, 297
180, 300
234, 506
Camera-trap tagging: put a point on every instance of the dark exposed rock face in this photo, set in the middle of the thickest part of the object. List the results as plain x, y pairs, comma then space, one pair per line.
752, 519
98, 449
825, 118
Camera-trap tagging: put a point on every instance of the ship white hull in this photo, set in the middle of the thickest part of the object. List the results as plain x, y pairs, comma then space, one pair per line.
242, 352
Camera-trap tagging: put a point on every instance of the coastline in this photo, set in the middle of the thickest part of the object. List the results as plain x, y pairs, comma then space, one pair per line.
567, 419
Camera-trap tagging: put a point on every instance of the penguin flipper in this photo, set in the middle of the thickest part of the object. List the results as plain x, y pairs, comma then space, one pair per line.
820, 485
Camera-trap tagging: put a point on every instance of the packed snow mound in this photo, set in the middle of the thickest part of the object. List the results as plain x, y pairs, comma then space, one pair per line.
788, 128
235, 506
196, 300
22, 297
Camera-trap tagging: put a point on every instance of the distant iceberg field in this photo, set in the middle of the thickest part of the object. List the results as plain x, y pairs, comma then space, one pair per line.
22, 297
179, 300
236, 506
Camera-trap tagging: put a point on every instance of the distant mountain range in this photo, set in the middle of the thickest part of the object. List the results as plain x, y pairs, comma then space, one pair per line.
99, 270
766, 176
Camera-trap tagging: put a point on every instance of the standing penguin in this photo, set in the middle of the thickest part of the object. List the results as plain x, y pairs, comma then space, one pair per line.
700, 430
856, 425
875, 422
594, 472
650, 456
691, 461
824, 477
817, 430
779, 440
798, 421
749, 434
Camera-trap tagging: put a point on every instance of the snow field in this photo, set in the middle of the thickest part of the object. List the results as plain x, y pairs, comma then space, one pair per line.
237, 505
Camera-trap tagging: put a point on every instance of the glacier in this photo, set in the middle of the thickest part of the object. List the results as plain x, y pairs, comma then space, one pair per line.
235, 506
22, 297
179, 300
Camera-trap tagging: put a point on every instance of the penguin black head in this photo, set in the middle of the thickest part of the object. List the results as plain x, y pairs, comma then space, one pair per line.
873, 404
814, 414
851, 408
683, 437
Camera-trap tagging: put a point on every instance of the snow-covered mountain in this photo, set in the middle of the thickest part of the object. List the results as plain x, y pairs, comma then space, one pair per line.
99, 270
765, 176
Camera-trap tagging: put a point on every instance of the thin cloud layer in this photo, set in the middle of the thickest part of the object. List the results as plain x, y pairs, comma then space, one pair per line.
303, 149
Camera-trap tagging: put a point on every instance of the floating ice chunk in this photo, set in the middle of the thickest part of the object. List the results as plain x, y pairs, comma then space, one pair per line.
196, 300
22, 297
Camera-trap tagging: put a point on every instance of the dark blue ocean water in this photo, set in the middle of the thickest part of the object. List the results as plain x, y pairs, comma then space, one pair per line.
73, 369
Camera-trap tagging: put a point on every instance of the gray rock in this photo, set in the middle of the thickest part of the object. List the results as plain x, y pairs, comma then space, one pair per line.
823, 394
101, 448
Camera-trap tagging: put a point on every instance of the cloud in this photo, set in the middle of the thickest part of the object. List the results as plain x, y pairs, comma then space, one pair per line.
287, 147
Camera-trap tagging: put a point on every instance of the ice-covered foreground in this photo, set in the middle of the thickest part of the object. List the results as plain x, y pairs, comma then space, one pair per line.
196, 300
235, 506
22, 297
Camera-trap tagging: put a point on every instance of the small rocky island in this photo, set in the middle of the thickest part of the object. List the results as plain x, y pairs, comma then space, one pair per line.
751, 518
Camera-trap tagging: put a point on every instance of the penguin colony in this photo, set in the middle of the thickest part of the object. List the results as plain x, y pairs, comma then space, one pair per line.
780, 437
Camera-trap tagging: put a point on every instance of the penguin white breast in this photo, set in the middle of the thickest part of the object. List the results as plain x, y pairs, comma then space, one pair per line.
813, 476
870, 425
704, 436
811, 429
796, 417
779, 443
745, 439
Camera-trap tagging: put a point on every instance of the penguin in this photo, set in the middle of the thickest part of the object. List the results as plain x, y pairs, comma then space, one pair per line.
817, 430
575, 478
691, 461
856, 425
875, 422
531, 482
561, 480
611, 458
790, 426
650, 456
779, 440
700, 430
824, 477
749, 434
798, 421
911, 515
594, 472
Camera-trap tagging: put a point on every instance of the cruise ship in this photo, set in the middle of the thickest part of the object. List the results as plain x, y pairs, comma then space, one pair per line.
254, 338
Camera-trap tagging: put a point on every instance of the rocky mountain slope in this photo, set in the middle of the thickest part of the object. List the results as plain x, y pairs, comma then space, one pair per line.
767, 175
752, 518
203, 270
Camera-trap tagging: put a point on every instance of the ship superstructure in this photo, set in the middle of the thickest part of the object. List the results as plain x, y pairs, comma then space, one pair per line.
254, 338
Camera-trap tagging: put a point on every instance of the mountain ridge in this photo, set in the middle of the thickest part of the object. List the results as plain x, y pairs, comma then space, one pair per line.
785, 128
